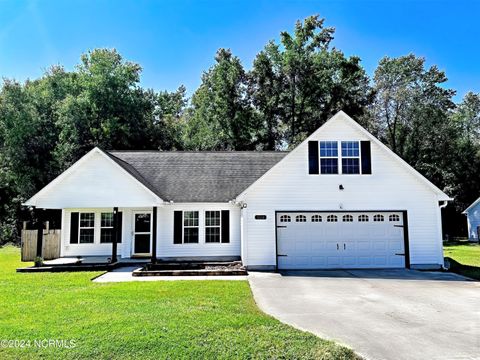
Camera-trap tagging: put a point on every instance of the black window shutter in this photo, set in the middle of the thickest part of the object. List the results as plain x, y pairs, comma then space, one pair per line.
119, 224
366, 157
313, 157
225, 226
74, 228
177, 227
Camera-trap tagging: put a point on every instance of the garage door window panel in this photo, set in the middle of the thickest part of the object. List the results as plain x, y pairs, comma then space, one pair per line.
300, 218
316, 218
347, 218
332, 218
285, 218
394, 218
363, 218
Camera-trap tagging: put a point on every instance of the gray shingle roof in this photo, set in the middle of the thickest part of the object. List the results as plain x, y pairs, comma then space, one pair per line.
217, 176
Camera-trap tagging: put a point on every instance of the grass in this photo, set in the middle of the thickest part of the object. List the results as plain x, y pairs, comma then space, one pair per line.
464, 258
143, 320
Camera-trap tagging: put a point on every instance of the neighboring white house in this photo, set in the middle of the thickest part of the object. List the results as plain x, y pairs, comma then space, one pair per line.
340, 199
473, 220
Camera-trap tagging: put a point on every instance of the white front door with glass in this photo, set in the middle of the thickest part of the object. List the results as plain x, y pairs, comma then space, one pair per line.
142, 233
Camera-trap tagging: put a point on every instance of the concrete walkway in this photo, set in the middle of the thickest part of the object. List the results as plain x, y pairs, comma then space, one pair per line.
389, 314
125, 274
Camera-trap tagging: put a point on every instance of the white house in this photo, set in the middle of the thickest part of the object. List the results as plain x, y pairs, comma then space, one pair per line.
473, 220
340, 199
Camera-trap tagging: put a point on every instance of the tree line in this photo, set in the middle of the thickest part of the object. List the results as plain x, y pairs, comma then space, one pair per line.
294, 85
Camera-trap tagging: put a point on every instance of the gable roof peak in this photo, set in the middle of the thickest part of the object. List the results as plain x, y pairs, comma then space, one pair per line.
343, 116
475, 203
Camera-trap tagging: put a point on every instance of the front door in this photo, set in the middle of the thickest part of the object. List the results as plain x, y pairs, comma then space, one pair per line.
142, 233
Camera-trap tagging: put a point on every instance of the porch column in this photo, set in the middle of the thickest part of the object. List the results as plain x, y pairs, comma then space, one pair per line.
115, 235
154, 236
39, 215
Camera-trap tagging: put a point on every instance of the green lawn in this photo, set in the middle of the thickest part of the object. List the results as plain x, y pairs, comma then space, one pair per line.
466, 258
144, 320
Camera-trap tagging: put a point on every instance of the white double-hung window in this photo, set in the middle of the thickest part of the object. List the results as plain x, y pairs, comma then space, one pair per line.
190, 227
328, 157
213, 220
350, 157
86, 228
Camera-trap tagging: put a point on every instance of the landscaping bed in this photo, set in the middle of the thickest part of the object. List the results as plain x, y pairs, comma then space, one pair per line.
192, 268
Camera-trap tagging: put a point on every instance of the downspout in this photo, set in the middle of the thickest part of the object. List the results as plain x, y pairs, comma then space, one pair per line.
442, 204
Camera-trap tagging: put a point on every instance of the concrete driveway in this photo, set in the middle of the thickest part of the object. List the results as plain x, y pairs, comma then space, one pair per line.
381, 314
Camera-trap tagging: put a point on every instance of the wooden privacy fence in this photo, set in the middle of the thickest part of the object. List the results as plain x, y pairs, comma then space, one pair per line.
50, 246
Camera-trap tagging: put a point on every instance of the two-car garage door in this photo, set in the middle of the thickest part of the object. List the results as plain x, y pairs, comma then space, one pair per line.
322, 240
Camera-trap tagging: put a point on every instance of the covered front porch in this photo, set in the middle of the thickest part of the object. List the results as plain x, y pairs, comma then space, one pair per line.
97, 239
114, 234
106, 238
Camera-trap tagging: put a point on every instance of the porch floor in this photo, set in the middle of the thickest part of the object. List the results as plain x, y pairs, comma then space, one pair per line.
92, 260
86, 263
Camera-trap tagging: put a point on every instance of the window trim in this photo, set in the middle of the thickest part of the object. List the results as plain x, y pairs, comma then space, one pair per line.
219, 226
190, 227
340, 157
359, 157
328, 157
105, 227
80, 227
97, 212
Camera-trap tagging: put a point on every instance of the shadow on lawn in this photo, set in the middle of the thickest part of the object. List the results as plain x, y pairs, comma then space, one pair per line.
465, 270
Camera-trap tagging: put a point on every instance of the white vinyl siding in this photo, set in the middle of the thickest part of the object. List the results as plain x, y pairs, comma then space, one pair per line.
89, 249
166, 248
390, 187
97, 182
473, 220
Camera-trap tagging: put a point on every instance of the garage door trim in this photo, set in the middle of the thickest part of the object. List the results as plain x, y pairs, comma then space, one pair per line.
406, 240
